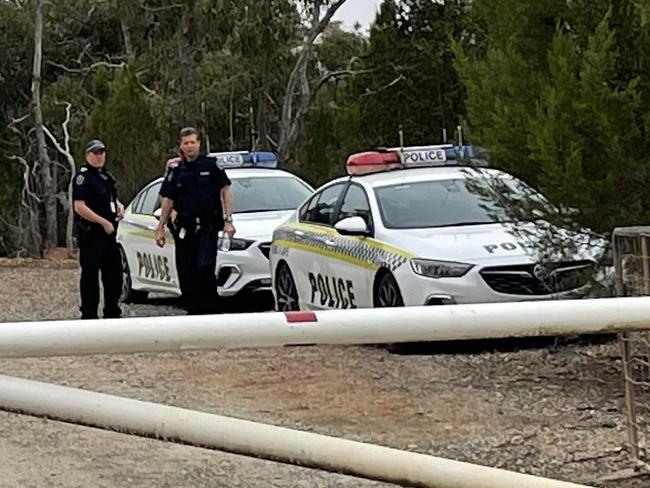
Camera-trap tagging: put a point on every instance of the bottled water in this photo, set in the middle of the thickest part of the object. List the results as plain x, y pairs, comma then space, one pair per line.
225, 242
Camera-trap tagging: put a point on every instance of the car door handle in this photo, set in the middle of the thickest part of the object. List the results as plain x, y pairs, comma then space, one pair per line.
298, 233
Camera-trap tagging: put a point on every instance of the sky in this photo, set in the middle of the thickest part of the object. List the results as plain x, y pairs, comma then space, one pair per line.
362, 11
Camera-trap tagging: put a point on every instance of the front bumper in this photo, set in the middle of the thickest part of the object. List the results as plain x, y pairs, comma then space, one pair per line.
472, 288
247, 270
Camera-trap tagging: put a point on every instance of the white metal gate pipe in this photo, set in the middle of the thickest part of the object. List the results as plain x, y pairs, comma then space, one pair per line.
255, 439
362, 326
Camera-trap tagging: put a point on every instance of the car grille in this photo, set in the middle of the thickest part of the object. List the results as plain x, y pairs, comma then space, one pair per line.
536, 279
265, 247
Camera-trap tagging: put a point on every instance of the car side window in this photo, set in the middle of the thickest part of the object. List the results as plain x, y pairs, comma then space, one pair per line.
307, 208
355, 204
321, 208
135, 206
151, 201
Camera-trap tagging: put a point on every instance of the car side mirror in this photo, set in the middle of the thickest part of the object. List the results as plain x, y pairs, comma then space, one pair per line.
352, 226
157, 213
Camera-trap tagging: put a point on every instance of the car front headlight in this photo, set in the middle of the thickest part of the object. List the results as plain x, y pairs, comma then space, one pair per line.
440, 269
237, 244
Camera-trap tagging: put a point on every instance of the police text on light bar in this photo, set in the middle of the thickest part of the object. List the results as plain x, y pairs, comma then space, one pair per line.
245, 159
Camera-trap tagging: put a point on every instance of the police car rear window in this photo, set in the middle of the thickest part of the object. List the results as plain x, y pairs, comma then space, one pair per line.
261, 194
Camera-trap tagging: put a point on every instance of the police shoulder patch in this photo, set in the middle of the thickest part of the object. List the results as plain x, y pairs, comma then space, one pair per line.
79, 180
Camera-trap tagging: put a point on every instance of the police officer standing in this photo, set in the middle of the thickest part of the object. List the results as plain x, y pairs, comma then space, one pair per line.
97, 212
199, 193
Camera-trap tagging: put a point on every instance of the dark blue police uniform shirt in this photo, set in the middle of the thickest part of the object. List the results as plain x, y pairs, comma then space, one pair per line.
195, 187
96, 187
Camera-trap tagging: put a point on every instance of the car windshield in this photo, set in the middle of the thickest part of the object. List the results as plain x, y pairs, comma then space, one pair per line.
473, 200
262, 194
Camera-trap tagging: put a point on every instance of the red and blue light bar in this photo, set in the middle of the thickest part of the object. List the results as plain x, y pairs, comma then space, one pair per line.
412, 157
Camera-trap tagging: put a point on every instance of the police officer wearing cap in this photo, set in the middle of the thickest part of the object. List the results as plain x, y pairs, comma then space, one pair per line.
198, 190
97, 212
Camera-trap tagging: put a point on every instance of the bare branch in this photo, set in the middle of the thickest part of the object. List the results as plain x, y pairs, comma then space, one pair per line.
163, 8
90, 13
308, 44
149, 91
338, 74
87, 69
62, 197
14, 122
298, 91
27, 231
84, 50
65, 150
272, 141
52, 139
385, 87
26, 174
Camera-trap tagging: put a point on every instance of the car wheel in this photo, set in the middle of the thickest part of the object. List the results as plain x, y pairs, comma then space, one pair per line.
387, 292
286, 294
129, 295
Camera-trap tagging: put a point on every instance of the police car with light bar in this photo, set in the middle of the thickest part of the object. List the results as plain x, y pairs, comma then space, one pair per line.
264, 197
428, 226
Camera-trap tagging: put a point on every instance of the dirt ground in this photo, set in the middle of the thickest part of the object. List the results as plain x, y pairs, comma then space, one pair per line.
549, 409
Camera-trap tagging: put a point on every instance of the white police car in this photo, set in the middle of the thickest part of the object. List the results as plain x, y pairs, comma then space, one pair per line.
418, 226
264, 197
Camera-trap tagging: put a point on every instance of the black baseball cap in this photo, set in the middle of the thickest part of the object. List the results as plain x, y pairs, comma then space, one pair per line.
95, 145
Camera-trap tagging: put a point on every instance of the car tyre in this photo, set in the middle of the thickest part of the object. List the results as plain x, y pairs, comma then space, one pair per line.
129, 295
286, 293
387, 292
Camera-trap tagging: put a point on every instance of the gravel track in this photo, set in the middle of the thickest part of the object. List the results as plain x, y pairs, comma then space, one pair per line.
542, 408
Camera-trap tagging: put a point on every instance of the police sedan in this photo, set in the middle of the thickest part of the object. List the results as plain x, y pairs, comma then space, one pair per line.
427, 226
264, 197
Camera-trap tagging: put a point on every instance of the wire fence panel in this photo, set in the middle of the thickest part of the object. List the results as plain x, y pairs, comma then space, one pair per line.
631, 260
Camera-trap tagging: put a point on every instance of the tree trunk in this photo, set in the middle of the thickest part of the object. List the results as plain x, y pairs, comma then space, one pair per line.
298, 94
263, 106
263, 110
128, 46
185, 40
231, 119
48, 192
66, 199
27, 234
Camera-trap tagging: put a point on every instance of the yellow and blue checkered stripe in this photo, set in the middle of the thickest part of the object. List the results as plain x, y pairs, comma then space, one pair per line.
137, 225
360, 251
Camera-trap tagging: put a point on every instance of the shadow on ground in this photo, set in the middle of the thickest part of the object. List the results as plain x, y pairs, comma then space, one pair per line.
497, 345
260, 301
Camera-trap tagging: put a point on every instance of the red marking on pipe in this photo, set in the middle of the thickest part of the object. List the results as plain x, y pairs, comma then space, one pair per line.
296, 317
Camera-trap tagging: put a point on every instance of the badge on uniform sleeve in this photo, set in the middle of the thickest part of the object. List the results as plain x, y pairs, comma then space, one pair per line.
79, 180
